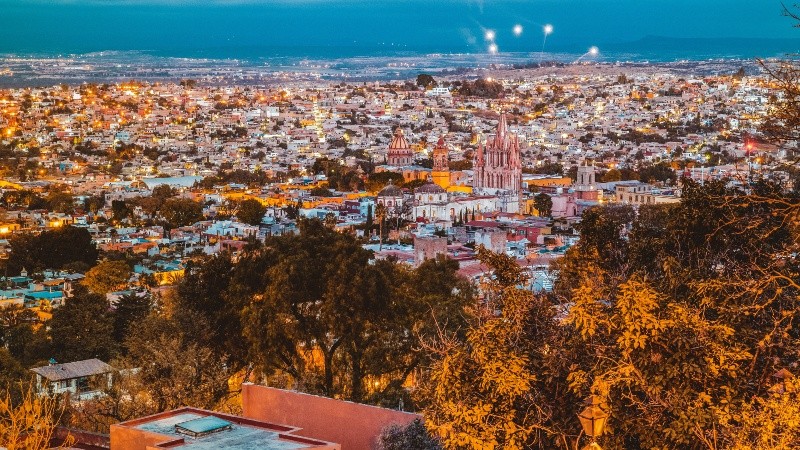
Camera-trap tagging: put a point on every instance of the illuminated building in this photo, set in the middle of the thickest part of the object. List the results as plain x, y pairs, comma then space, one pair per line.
498, 167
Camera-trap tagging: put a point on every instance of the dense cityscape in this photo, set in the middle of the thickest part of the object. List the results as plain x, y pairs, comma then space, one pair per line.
418, 253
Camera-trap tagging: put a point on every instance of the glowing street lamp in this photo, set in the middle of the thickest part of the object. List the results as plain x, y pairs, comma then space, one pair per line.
517, 30
547, 30
593, 419
489, 35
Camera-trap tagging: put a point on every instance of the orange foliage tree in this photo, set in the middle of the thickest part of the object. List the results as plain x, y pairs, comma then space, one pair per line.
28, 423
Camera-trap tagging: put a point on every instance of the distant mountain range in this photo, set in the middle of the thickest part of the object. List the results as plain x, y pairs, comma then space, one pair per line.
670, 48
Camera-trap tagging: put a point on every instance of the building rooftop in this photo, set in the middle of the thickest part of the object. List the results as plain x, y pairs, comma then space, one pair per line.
200, 430
77, 369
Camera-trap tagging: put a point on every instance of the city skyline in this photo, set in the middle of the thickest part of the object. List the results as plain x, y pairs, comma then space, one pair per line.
399, 225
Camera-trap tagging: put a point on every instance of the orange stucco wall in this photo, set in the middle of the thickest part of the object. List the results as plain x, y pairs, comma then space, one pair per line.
354, 426
124, 438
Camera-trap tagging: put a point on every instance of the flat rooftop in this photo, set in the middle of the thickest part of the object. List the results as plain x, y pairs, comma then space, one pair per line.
200, 430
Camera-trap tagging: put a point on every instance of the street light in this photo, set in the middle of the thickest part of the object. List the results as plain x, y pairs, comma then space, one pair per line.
593, 419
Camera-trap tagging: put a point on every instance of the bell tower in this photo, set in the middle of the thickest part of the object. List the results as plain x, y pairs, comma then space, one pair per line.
441, 170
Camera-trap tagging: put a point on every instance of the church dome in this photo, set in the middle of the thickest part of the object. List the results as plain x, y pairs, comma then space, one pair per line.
399, 141
429, 188
390, 191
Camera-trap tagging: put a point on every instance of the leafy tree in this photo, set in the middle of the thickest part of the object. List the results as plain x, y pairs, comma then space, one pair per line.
119, 210
51, 249
479, 387
639, 338
413, 436
481, 88
678, 316
425, 80
28, 344
686, 309
368, 223
768, 422
82, 328
163, 192
380, 213
544, 204
251, 212
629, 174
181, 212
550, 168
24, 344
661, 172
203, 292
24, 199
783, 122
130, 310
320, 192
60, 202
317, 294
612, 175
331, 220
572, 172
93, 204
108, 276
175, 369
292, 210
604, 230
28, 422
11, 372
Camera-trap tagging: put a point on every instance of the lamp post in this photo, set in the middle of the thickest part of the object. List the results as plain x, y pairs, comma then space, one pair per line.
593, 420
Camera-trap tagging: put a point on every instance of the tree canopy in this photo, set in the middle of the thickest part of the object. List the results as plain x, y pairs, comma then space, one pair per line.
316, 293
679, 317
51, 249
544, 204
108, 276
82, 328
251, 211
181, 212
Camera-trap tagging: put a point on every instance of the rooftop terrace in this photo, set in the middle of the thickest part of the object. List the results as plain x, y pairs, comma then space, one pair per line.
199, 430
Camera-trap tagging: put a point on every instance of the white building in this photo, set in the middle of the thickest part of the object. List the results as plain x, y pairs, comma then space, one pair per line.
84, 379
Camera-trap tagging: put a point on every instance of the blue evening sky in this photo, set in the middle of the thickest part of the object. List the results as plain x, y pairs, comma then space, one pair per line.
242, 28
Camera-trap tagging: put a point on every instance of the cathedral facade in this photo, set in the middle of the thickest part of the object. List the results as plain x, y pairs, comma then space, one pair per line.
498, 168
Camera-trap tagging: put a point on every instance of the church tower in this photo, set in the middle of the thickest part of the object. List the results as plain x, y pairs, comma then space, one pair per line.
441, 170
586, 188
399, 154
498, 167
586, 175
